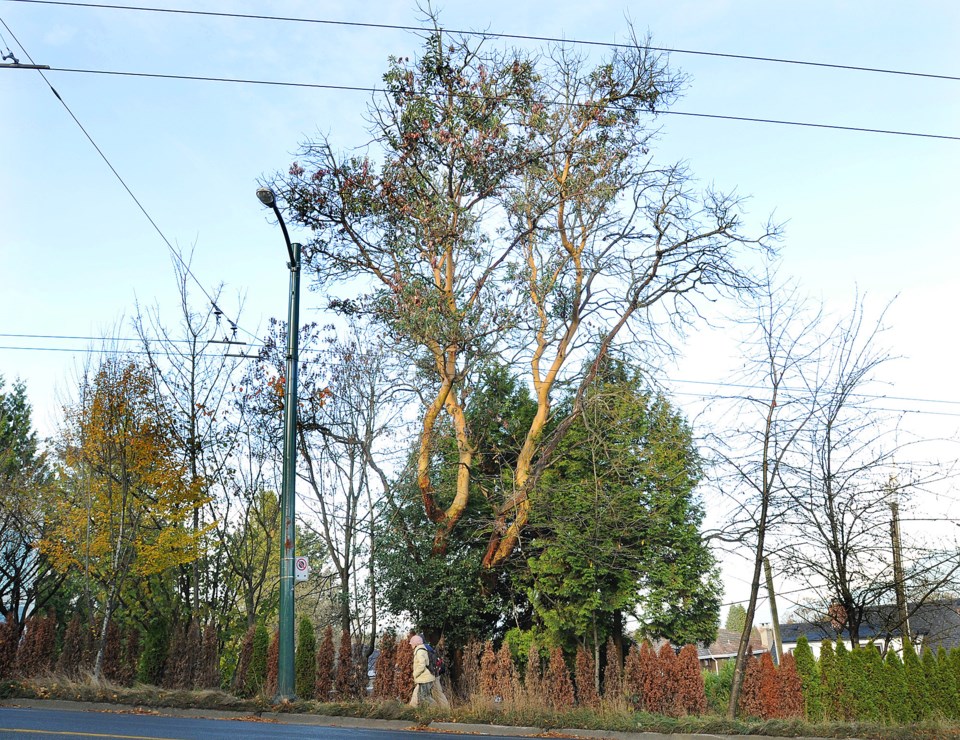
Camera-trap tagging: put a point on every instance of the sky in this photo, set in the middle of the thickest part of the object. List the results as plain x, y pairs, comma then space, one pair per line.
867, 213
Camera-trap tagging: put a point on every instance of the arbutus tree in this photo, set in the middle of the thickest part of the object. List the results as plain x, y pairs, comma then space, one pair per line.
516, 211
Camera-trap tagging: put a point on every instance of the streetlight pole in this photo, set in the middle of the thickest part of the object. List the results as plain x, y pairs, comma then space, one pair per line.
285, 674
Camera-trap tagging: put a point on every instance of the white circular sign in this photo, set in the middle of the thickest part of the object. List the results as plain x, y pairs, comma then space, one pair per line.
300, 565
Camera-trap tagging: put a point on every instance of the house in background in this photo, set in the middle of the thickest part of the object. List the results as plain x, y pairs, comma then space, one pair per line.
724, 649
934, 624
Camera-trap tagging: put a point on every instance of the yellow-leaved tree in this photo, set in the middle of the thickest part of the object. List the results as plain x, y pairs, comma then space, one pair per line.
126, 501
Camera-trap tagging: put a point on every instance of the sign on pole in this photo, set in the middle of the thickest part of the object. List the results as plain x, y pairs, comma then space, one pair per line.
301, 569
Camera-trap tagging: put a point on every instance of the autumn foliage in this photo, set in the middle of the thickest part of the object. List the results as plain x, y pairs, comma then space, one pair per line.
585, 675
557, 686
384, 683
325, 663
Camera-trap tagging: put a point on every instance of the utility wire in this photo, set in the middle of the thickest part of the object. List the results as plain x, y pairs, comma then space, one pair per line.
682, 381
485, 34
360, 88
176, 254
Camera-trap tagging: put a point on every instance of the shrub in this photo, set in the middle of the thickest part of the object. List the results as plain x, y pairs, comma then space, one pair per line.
949, 683
586, 677
809, 672
917, 690
325, 661
384, 685
718, 687
113, 653
507, 680
208, 673
558, 688
153, 659
72, 652
830, 682
305, 661
751, 702
654, 695
344, 683
894, 691
270, 686
256, 677
669, 681
533, 676
9, 638
244, 659
690, 691
403, 670
791, 688
769, 689
488, 671
613, 672
633, 678
131, 656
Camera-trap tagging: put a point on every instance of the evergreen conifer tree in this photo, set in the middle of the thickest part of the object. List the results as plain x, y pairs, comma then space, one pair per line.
947, 685
809, 671
305, 661
256, 677
384, 685
585, 675
273, 665
830, 682
915, 680
557, 684
325, 662
613, 673
896, 705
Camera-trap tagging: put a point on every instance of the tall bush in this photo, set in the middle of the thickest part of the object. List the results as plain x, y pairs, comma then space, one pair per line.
690, 692
244, 658
305, 662
918, 691
669, 700
533, 674
586, 678
325, 664
344, 683
403, 670
751, 698
384, 685
208, 672
809, 672
507, 678
153, 659
613, 673
791, 689
270, 686
558, 687
488, 671
654, 695
72, 651
256, 677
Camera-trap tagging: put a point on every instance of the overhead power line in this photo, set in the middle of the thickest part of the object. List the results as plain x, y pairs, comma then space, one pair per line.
361, 88
490, 34
173, 251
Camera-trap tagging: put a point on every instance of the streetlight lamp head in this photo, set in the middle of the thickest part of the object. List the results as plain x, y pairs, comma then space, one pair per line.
267, 197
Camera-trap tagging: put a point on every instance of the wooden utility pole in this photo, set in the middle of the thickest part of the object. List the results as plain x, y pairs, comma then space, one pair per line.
778, 643
898, 580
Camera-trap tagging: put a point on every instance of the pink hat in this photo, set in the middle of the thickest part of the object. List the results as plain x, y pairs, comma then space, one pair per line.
416, 640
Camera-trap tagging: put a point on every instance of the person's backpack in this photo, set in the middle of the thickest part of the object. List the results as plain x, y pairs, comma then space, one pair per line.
434, 661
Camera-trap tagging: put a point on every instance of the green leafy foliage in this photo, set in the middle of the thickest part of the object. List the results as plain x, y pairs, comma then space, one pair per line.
617, 521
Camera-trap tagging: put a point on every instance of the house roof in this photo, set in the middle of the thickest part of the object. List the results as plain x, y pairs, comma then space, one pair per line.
938, 622
727, 643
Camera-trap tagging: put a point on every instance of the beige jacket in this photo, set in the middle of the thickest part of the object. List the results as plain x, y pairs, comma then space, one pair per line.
421, 673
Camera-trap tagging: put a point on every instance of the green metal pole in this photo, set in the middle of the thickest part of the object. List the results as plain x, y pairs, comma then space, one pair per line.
288, 495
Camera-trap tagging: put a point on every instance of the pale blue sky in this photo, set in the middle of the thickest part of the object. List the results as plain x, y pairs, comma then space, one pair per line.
868, 211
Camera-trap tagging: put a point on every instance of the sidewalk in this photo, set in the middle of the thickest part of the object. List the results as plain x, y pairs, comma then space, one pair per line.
318, 720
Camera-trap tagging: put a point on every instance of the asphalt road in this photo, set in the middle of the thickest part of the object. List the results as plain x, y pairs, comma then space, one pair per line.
44, 724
